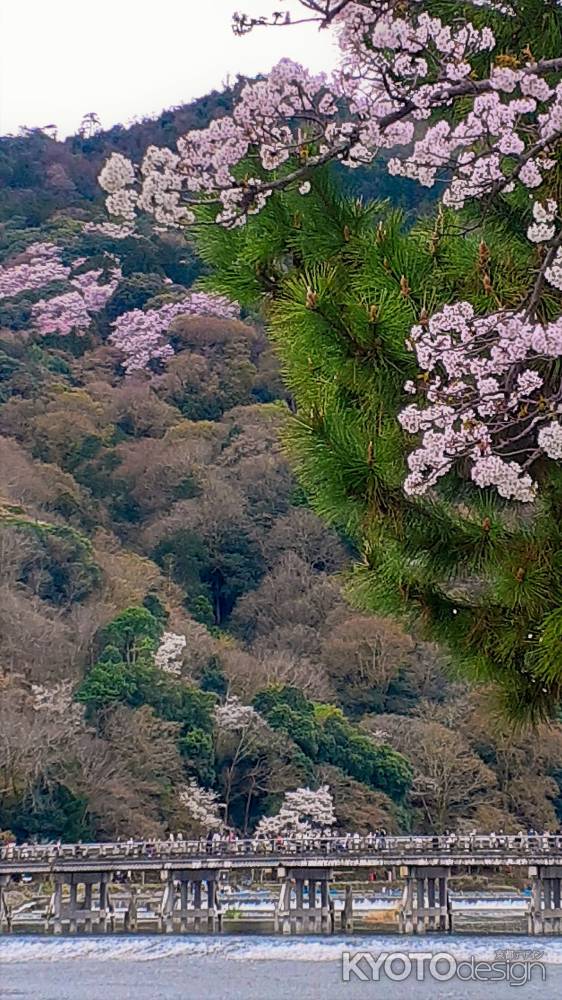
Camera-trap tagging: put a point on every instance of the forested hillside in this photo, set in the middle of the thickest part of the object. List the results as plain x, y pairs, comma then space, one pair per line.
172, 613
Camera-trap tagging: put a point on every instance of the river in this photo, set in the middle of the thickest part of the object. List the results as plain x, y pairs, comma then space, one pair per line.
254, 968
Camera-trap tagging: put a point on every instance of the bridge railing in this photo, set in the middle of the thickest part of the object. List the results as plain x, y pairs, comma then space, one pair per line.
354, 844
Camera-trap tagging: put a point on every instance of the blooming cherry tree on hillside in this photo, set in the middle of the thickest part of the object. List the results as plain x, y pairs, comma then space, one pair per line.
169, 654
301, 811
73, 311
233, 716
39, 265
203, 806
141, 334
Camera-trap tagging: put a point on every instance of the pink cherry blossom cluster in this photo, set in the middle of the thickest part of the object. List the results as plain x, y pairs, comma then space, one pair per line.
73, 311
410, 85
111, 229
395, 72
161, 187
39, 265
141, 335
485, 399
61, 314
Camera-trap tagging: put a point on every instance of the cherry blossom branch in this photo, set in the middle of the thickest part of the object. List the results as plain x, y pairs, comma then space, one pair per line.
407, 85
535, 293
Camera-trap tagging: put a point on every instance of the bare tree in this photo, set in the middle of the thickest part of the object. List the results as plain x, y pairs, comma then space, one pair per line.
450, 779
362, 655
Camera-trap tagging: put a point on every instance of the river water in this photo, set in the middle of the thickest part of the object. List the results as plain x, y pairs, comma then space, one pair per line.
256, 968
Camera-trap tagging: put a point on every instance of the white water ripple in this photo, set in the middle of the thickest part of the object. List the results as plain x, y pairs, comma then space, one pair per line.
147, 948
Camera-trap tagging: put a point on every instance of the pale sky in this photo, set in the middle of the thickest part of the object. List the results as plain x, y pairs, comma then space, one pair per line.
125, 58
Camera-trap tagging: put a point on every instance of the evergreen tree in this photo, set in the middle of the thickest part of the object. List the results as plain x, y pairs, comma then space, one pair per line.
464, 94
342, 283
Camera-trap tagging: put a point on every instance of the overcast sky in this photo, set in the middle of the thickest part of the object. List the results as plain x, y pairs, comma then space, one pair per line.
124, 58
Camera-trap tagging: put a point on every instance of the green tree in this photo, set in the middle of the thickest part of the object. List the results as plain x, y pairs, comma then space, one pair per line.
213, 678
341, 283
49, 810
113, 679
132, 293
344, 746
324, 734
219, 569
198, 753
134, 632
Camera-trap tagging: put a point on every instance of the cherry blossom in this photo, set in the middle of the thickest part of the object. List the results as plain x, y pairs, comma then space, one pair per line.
550, 440
141, 335
116, 173
73, 311
202, 804
480, 400
170, 652
234, 715
394, 72
302, 810
59, 697
58, 700
39, 265
111, 229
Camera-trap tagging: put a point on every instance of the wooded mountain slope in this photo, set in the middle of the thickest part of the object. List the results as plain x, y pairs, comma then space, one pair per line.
160, 570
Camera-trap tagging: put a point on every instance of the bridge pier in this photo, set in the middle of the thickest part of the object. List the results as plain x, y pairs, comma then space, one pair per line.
130, 920
347, 912
5, 911
304, 916
545, 907
196, 892
73, 914
425, 902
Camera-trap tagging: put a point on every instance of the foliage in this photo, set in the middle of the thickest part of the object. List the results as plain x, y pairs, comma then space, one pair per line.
301, 811
351, 294
325, 735
59, 562
479, 574
132, 633
234, 660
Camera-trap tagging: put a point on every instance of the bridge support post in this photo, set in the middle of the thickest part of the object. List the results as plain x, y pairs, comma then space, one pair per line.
131, 914
57, 905
212, 908
419, 914
195, 890
405, 913
184, 904
196, 886
347, 912
88, 922
168, 903
425, 903
304, 915
5, 912
105, 918
445, 918
312, 917
296, 918
326, 913
75, 913
72, 908
545, 907
281, 917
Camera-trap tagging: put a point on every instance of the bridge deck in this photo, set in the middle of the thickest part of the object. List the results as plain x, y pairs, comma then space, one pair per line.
422, 852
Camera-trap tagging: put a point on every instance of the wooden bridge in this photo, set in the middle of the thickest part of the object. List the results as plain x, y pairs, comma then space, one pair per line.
190, 872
